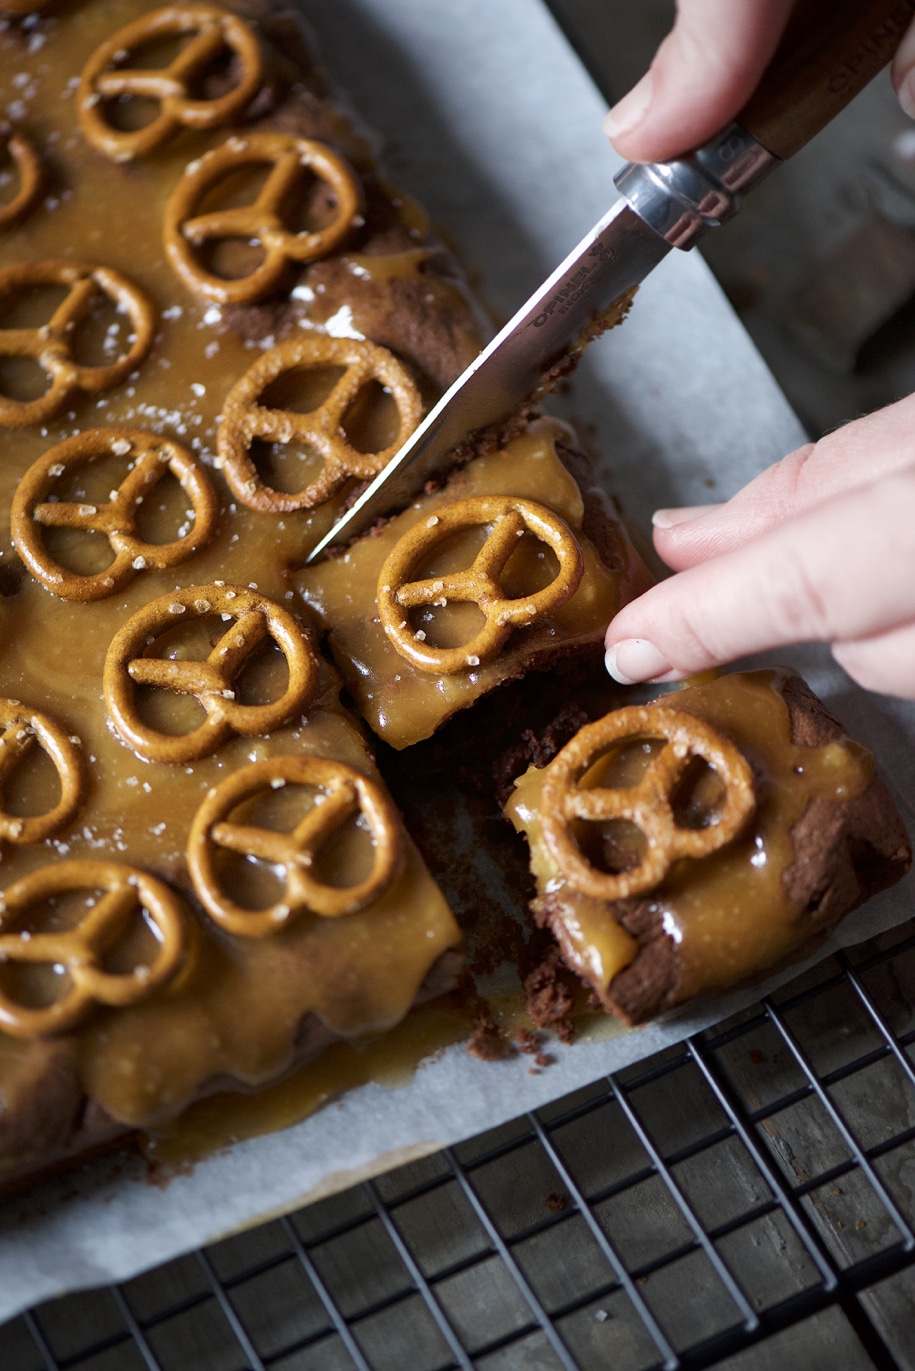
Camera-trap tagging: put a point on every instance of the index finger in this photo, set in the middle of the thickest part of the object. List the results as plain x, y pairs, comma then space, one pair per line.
844, 570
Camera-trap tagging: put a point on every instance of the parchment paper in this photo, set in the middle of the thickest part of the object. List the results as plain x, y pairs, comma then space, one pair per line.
494, 125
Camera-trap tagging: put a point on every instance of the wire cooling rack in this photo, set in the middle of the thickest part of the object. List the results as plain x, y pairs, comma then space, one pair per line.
744, 1199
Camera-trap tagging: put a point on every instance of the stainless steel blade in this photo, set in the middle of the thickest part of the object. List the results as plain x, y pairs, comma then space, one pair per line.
664, 205
615, 256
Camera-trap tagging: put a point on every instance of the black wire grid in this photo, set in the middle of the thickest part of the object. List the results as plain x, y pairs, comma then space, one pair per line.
746, 1198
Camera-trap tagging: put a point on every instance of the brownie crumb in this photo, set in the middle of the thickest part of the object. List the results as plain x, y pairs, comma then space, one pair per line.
486, 1042
550, 996
556, 1202
536, 750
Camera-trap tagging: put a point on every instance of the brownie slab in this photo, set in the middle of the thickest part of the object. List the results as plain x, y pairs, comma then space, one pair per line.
98, 782
821, 836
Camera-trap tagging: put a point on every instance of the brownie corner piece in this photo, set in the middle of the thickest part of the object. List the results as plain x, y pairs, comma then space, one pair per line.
820, 837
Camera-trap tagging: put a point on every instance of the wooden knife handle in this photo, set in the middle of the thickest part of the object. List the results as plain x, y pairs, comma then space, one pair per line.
830, 51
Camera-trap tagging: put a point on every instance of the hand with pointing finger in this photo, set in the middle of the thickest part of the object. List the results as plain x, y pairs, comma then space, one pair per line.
821, 546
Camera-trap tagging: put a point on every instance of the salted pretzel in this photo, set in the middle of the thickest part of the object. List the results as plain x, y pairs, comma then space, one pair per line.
290, 161
648, 805
150, 458
106, 76
254, 620
344, 793
510, 517
25, 159
245, 419
50, 345
81, 950
21, 730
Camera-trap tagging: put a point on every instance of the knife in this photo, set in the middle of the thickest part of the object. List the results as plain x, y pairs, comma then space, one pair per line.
830, 51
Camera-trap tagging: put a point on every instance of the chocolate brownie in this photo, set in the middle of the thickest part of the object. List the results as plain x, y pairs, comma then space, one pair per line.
151, 658
817, 835
515, 565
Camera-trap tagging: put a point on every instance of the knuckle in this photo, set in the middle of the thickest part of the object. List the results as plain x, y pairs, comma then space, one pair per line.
798, 601
693, 646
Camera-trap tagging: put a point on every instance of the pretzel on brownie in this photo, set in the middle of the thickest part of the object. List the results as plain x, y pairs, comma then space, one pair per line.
571, 800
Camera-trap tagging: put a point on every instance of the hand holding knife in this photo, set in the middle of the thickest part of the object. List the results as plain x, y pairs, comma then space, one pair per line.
830, 51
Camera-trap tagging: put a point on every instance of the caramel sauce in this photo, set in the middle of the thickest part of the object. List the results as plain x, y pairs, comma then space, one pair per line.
378, 267
728, 913
391, 1061
403, 704
234, 1012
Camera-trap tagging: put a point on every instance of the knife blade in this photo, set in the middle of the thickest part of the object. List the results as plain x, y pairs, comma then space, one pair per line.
831, 50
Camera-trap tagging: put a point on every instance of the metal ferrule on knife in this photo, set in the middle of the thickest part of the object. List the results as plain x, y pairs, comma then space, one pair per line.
682, 200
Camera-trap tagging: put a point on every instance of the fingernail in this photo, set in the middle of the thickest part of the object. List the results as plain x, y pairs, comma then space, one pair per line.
669, 518
906, 94
631, 109
635, 659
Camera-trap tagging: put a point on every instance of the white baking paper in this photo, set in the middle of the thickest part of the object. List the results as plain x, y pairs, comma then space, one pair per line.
493, 123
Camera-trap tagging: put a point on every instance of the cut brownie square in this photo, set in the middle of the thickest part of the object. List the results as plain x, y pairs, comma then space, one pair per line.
517, 563
690, 845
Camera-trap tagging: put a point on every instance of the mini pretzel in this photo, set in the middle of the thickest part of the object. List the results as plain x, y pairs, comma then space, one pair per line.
150, 457
21, 729
264, 221
81, 950
106, 77
245, 419
25, 159
345, 792
510, 517
51, 344
647, 805
254, 619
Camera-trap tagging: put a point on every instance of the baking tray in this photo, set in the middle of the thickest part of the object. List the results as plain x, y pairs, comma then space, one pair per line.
492, 122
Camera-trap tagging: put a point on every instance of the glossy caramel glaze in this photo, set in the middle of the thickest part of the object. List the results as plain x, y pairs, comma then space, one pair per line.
239, 1011
404, 704
729, 914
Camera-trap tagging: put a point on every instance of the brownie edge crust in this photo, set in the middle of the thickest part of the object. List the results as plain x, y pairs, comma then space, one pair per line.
840, 851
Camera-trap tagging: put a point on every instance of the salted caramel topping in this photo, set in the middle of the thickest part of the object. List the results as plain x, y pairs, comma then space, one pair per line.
342, 794
321, 429
51, 344
387, 266
23, 730
108, 79
292, 163
359, 974
404, 703
577, 791
80, 951
728, 913
211, 681
150, 458
508, 518
24, 157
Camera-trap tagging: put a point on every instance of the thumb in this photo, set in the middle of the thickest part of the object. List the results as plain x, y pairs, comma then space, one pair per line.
844, 570
903, 72
702, 74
